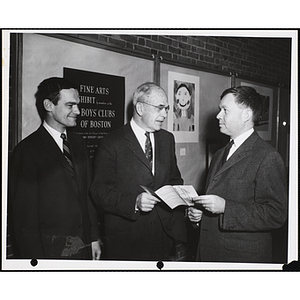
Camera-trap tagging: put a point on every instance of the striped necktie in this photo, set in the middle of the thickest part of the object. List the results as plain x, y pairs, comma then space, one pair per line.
67, 150
148, 149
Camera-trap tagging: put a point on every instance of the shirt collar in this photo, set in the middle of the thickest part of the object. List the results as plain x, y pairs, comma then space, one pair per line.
138, 131
241, 138
53, 131
55, 134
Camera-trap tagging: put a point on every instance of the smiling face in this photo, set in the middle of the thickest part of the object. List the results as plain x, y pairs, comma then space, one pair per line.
232, 117
64, 113
183, 98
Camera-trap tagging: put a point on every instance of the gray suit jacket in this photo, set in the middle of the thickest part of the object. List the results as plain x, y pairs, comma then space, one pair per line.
253, 183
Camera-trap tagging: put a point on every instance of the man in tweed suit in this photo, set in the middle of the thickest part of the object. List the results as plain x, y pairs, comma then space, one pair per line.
246, 196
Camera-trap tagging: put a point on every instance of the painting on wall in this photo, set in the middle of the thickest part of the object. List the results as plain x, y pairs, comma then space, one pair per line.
264, 123
183, 119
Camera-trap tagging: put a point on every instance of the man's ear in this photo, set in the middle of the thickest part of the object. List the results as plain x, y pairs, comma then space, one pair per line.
48, 105
139, 108
247, 115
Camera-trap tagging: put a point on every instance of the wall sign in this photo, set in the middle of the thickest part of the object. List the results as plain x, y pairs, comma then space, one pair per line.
101, 104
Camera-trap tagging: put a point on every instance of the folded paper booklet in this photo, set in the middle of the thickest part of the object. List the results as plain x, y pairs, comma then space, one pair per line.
174, 195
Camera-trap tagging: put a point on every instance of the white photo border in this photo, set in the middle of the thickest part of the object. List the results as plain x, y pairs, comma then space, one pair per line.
102, 265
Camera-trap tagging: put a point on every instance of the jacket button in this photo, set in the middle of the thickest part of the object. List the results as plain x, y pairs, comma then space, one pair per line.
73, 177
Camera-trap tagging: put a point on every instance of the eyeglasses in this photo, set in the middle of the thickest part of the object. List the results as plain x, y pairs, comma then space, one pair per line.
159, 107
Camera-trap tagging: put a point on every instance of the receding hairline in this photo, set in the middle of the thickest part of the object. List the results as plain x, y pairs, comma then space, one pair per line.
145, 90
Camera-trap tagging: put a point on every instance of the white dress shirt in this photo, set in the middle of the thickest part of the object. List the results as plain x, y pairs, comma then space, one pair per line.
238, 141
55, 135
140, 135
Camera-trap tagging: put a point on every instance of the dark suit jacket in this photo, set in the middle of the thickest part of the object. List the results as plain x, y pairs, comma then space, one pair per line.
120, 168
48, 202
253, 183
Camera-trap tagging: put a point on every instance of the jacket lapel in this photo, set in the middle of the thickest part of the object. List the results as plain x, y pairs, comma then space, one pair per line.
76, 155
134, 145
243, 151
52, 148
159, 157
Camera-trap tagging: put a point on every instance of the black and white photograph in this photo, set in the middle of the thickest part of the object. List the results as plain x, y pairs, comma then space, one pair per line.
91, 117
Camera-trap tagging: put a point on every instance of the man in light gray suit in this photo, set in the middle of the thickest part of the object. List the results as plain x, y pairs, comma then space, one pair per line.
246, 193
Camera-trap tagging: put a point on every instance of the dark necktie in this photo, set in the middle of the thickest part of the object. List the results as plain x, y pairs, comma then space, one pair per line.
67, 150
226, 151
148, 149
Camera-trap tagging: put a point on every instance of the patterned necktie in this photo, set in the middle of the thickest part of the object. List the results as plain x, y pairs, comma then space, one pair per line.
148, 149
226, 151
67, 150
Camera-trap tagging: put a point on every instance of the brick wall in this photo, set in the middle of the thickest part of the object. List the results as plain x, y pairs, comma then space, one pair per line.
264, 59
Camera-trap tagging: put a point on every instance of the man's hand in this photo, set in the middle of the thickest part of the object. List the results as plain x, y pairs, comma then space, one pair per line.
145, 202
194, 214
211, 203
96, 250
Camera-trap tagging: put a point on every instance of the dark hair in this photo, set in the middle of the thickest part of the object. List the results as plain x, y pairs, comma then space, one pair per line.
248, 97
50, 89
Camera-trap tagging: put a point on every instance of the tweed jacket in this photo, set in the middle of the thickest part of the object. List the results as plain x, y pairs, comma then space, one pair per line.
253, 183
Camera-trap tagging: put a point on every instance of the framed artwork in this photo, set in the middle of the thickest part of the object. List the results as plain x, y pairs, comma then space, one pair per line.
183, 119
264, 124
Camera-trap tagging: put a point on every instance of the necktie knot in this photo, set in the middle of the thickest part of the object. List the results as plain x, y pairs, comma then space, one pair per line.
229, 144
63, 136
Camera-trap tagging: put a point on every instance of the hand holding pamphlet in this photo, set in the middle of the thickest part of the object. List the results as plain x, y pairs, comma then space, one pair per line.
174, 195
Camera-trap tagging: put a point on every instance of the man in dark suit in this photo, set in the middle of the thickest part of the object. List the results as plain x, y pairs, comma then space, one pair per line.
246, 194
137, 225
51, 213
